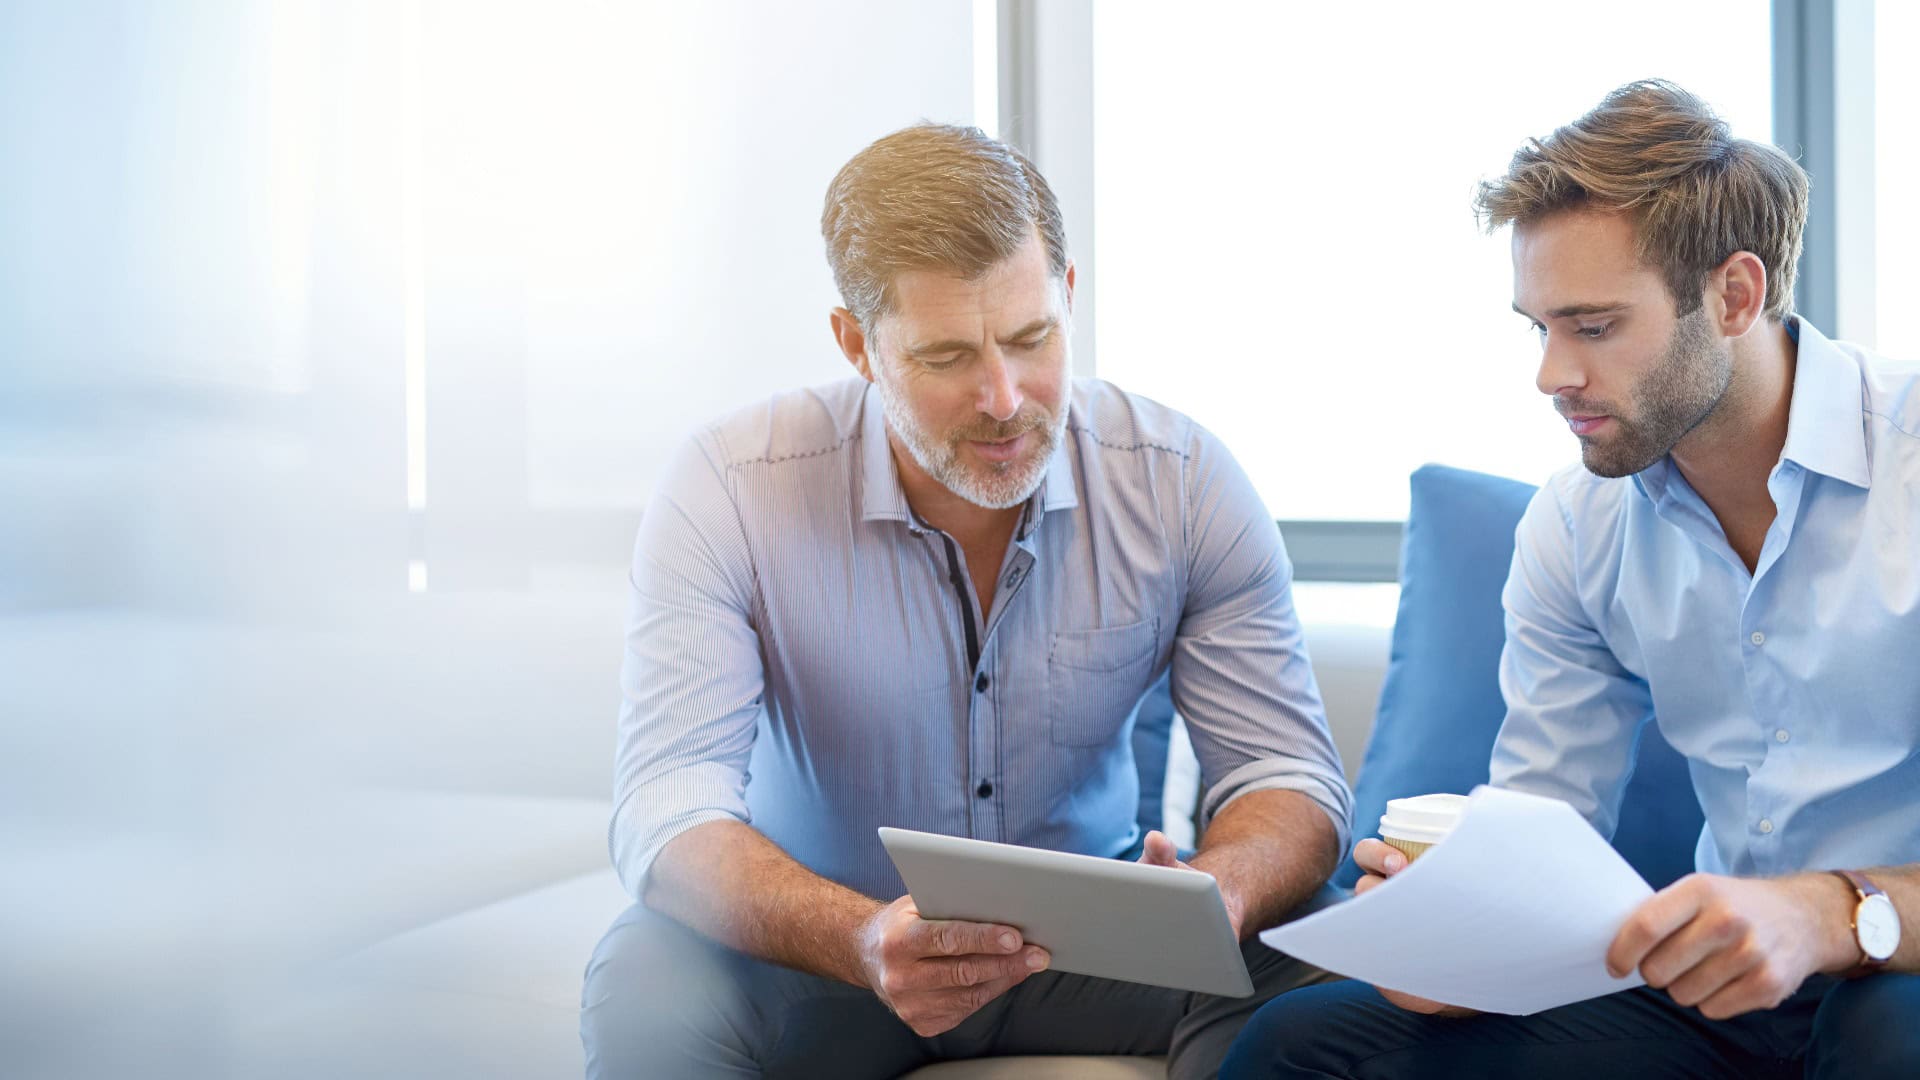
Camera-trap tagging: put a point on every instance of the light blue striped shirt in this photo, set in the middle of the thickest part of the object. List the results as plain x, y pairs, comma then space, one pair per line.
797, 647
1794, 692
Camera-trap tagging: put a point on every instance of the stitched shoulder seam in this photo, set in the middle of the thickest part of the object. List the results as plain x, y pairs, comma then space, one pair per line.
779, 458
1098, 441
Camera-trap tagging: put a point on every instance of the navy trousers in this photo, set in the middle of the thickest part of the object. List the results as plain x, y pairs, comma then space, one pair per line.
1829, 1029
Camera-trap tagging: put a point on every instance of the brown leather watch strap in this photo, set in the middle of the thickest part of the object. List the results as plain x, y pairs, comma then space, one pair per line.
1863, 889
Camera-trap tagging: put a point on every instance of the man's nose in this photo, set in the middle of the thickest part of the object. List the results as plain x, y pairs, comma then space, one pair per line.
1559, 372
999, 392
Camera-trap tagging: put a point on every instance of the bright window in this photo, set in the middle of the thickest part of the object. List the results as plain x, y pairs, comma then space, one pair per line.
1286, 245
1896, 154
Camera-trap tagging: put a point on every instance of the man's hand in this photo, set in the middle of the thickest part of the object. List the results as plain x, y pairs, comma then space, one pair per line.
935, 973
1160, 851
1732, 945
1381, 861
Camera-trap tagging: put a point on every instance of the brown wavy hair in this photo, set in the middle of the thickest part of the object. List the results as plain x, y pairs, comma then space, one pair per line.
1695, 193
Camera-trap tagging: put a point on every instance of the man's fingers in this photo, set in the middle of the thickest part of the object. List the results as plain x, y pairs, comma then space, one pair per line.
1654, 921
1711, 975
977, 997
1159, 851
1709, 934
971, 999
939, 1015
963, 971
1762, 987
1379, 858
1367, 882
951, 937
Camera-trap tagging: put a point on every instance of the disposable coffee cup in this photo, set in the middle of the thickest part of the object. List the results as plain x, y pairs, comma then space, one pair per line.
1413, 825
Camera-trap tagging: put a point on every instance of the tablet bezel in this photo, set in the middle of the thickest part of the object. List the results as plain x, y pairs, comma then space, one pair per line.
1159, 925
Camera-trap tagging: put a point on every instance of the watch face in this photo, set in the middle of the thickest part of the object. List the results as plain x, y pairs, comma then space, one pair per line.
1878, 926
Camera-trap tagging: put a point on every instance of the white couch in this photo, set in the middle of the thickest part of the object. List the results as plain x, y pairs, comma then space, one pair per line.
466, 873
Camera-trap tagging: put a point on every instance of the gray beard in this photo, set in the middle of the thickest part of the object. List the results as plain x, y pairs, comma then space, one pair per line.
1002, 487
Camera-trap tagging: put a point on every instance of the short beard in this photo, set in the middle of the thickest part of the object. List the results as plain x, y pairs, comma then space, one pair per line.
1676, 397
1002, 486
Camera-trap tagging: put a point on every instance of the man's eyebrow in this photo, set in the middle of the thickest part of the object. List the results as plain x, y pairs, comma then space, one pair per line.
931, 347
1045, 322
1570, 310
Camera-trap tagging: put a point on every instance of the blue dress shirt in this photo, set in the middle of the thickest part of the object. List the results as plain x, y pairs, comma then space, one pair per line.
1793, 691
805, 655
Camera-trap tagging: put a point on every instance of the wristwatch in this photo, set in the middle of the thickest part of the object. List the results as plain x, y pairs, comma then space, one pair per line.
1876, 925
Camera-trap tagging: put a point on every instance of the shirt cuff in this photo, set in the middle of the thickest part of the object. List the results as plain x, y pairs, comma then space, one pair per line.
635, 839
1328, 791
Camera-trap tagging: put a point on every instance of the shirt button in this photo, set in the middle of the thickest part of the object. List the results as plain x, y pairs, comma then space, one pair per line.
985, 790
1781, 735
981, 683
1766, 825
1758, 638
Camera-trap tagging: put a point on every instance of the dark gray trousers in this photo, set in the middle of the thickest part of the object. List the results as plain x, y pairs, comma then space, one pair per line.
662, 1002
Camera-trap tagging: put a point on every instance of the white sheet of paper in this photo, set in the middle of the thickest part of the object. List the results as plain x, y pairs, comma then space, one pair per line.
1512, 913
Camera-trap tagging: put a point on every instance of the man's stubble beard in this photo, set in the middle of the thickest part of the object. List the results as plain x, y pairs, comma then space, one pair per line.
1680, 393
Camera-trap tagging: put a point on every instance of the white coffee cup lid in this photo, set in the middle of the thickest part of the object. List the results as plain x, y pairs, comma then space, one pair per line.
1422, 819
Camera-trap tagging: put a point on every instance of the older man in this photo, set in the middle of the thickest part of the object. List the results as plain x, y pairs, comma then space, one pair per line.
931, 596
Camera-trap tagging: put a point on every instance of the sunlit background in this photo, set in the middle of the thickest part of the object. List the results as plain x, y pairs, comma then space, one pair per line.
341, 343
1286, 238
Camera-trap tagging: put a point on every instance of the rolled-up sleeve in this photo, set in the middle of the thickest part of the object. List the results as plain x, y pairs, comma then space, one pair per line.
1573, 713
1241, 677
692, 676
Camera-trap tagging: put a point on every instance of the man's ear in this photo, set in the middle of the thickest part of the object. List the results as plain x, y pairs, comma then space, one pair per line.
852, 341
1741, 286
1069, 277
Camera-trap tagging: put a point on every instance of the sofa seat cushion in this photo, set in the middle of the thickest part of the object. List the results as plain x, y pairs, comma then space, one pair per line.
491, 992
364, 866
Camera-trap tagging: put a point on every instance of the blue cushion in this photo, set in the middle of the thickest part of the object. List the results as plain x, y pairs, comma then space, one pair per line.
1440, 706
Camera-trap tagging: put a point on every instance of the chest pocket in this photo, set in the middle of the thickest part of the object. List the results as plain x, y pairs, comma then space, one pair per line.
1094, 679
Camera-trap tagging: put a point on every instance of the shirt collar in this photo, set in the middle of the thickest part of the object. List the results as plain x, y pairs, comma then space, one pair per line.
883, 499
1824, 429
1057, 491
1825, 432
881, 496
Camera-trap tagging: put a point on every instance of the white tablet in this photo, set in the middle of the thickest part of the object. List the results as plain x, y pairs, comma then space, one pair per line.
1117, 920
